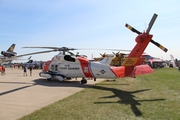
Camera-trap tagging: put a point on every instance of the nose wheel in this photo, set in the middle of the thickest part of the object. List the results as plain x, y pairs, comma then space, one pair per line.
83, 81
49, 79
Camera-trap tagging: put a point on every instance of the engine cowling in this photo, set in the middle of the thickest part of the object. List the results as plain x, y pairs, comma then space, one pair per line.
60, 78
43, 74
8, 54
50, 75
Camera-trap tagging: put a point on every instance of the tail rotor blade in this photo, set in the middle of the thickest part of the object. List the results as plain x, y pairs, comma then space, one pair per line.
159, 45
152, 41
151, 23
132, 29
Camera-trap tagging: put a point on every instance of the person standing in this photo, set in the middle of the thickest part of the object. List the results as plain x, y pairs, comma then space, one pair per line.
25, 71
30, 69
3, 70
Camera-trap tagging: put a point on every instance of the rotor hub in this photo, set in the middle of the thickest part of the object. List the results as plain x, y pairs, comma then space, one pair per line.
142, 37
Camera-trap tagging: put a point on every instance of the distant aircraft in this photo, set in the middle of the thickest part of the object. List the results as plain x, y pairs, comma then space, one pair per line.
117, 60
10, 52
32, 63
9, 55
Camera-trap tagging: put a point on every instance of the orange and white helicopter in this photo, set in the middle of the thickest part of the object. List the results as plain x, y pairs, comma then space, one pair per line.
63, 66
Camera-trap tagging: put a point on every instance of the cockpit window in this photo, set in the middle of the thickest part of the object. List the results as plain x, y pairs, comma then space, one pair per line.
52, 67
69, 58
56, 67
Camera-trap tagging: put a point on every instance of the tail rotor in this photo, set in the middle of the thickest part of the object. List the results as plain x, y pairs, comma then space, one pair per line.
147, 31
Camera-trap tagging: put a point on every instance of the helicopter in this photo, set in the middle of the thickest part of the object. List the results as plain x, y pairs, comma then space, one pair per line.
64, 67
59, 65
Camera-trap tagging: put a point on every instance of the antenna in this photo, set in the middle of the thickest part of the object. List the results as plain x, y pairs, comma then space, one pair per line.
145, 26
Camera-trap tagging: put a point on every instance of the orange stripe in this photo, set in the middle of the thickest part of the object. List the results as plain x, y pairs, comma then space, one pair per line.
118, 71
85, 67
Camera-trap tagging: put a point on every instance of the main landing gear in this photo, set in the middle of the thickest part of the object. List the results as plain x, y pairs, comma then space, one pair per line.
83, 81
49, 79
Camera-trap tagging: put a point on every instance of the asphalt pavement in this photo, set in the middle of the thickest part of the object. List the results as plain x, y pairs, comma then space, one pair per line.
21, 95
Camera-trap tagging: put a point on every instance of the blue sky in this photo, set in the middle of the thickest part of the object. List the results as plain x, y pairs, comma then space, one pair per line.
88, 24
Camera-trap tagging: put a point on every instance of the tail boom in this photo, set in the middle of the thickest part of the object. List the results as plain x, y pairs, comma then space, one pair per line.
134, 58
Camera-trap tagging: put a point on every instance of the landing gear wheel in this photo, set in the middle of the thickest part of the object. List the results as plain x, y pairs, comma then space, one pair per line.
49, 79
83, 81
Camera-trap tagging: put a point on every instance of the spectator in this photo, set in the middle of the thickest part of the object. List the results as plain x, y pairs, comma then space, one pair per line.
25, 71
30, 69
18, 66
3, 70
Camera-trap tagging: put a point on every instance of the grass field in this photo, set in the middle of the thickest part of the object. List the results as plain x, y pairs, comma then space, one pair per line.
151, 97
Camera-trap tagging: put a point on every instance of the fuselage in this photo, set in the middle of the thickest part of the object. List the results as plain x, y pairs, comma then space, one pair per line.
81, 67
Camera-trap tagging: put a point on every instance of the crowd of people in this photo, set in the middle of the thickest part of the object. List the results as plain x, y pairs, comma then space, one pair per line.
25, 70
23, 67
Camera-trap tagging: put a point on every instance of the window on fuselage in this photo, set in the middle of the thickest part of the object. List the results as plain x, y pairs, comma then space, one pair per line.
52, 67
69, 58
56, 67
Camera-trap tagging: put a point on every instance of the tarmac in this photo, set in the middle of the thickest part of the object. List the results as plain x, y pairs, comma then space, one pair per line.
21, 95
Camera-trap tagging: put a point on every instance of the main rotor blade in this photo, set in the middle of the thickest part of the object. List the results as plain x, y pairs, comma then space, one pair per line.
41, 47
36, 53
54, 48
105, 49
132, 29
67, 49
152, 41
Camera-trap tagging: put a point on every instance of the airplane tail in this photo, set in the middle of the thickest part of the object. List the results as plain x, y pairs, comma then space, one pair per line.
9, 52
29, 58
107, 59
11, 48
133, 63
30, 61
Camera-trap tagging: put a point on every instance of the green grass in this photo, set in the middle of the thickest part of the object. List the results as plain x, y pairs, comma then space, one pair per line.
152, 97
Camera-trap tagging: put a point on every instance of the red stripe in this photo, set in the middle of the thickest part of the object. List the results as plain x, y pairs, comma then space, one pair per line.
85, 66
118, 71
46, 67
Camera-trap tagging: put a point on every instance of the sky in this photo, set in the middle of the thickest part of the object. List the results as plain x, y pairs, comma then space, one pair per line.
98, 24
